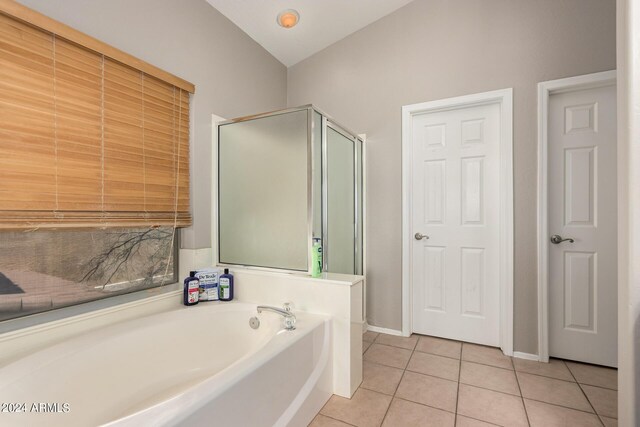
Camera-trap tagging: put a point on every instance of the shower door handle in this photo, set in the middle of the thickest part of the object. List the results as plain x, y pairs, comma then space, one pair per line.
420, 236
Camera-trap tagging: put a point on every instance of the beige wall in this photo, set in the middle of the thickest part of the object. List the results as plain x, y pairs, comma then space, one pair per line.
233, 75
433, 49
428, 50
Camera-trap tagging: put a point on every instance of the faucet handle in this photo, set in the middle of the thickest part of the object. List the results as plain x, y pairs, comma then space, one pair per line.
290, 323
287, 306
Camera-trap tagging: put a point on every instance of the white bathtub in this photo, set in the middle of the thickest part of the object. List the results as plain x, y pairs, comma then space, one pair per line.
193, 366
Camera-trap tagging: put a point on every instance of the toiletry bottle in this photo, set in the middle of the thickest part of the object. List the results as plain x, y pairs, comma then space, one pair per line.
225, 285
191, 290
316, 258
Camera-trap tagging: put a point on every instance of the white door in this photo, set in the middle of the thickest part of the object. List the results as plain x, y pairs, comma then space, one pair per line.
582, 206
456, 203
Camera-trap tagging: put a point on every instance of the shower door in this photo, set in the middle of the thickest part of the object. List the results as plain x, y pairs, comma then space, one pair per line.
340, 203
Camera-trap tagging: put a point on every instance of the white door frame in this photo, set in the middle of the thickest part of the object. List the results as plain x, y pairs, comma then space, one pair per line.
215, 119
504, 98
545, 90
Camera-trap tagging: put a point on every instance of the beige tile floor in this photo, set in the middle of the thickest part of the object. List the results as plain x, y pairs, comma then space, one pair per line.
427, 381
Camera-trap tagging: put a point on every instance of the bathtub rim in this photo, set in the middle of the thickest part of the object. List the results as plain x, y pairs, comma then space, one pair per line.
181, 404
48, 354
192, 399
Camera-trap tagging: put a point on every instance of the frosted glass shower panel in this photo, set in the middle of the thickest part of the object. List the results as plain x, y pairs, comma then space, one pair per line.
262, 184
341, 226
316, 161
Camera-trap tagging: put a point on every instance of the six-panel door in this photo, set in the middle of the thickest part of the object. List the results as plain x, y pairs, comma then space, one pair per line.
456, 203
583, 206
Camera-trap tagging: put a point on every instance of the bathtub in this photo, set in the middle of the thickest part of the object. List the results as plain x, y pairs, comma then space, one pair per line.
191, 366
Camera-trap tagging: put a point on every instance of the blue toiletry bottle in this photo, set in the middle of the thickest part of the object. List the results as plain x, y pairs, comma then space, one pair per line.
191, 291
225, 286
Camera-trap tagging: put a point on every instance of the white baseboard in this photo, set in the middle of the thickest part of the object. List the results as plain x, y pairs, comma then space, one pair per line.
526, 356
365, 326
384, 330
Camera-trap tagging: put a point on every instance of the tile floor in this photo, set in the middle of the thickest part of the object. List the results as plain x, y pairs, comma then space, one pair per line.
427, 381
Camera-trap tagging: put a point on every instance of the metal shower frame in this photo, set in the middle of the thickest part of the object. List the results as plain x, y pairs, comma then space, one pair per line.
327, 122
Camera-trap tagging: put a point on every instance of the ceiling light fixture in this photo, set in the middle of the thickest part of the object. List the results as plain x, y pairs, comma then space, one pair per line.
288, 18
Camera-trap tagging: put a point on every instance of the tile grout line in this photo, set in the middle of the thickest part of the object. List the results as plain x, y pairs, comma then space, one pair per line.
562, 406
582, 391
405, 370
417, 372
359, 387
529, 398
491, 366
596, 413
441, 355
512, 358
446, 357
435, 376
526, 413
401, 377
482, 421
428, 406
342, 421
455, 418
419, 403
481, 387
392, 346
575, 381
602, 421
597, 386
490, 389
447, 379
514, 370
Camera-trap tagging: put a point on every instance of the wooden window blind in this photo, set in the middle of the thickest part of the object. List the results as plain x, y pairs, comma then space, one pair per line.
89, 136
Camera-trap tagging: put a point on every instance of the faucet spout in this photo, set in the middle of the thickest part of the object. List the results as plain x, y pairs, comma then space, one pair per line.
289, 317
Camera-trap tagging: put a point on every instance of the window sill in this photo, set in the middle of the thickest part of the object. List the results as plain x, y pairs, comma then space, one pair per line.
78, 313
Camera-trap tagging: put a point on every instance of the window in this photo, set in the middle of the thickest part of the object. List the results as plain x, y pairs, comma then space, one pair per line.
86, 140
46, 269
94, 167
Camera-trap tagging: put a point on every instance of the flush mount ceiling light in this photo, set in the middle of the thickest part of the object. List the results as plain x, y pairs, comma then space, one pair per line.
288, 18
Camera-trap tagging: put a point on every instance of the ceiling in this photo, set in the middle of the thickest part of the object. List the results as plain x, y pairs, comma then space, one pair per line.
322, 22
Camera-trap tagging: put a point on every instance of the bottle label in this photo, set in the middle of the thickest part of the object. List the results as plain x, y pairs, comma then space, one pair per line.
224, 288
193, 291
192, 296
208, 292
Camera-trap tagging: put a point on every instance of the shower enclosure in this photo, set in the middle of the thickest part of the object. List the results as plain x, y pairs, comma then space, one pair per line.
285, 178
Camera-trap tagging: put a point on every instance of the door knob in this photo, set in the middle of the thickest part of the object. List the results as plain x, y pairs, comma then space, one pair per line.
556, 238
420, 236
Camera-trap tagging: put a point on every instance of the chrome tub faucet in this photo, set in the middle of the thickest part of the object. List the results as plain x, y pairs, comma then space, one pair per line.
289, 317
